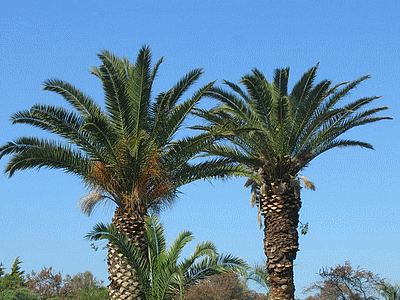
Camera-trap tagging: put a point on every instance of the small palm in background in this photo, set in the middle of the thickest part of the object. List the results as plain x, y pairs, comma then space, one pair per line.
162, 273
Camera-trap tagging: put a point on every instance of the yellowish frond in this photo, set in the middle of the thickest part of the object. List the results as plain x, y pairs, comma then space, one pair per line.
253, 199
89, 202
308, 184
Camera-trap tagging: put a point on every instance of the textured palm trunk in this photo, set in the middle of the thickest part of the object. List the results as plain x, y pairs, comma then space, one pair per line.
280, 207
123, 284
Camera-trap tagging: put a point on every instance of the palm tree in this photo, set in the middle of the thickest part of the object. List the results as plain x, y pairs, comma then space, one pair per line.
275, 134
160, 271
389, 291
126, 154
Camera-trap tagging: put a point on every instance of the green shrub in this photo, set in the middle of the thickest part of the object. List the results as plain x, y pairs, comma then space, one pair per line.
19, 294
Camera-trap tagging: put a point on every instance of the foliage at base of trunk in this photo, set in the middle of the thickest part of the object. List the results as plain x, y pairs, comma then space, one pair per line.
161, 274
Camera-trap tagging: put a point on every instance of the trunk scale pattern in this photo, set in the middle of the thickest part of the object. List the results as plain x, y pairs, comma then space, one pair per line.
280, 205
123, 284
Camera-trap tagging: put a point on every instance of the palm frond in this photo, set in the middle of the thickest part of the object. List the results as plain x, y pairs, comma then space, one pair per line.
114, 75
175, 249
29, 152
302, 88
63, 123
307, 183
89, 203
84, 104
259, 275
281, 79
213, 265
129, 250
177, 116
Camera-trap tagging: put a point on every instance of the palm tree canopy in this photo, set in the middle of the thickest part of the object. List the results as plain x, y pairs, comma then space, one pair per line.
126, 153
161, 272
280, 131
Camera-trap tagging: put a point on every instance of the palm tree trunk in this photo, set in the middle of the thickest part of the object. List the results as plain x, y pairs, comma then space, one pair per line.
280, 207
123, 284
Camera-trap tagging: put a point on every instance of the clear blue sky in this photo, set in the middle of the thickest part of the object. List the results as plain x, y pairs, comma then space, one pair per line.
354, 212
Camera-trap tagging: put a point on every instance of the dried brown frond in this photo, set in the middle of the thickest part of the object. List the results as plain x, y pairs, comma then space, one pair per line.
263, 189
249, 182
253, 199
152, 185
88, 203
308, 184
103, 177
282, 187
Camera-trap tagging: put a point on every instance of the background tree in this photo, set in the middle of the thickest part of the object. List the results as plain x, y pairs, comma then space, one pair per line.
13, 286
48, 284
275, 134
19, 294
13, 280
16, 270
161, 272
345, 283
126, 155
84, 286
227, 286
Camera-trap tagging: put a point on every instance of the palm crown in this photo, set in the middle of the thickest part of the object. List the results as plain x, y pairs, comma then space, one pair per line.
282, 132
126, 153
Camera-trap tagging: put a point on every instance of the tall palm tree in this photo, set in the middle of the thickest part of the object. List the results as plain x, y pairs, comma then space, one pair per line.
126, 154
162, 273
275, 134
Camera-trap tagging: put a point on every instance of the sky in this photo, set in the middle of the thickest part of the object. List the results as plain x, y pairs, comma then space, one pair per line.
354, 213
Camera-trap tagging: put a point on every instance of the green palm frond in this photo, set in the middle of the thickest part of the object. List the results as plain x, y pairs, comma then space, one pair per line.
155, 237
213, 265
85, 105
29, 152
175, 249
303, 87
140, 90
128, 249
114, 74
212, 168
259, 275
281, 79
60, 121
96, 121
206, 249
183, 85
173, 121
